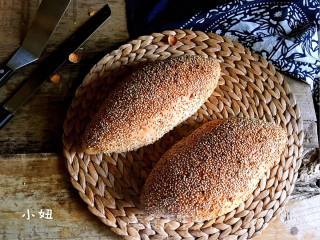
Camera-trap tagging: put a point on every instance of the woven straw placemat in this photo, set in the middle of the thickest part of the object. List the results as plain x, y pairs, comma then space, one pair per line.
249, 87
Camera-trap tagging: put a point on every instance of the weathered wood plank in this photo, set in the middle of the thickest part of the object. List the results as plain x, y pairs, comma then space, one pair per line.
308, 183
299, 220
35, 182
16, 16
37, 126
41, 182
302, 92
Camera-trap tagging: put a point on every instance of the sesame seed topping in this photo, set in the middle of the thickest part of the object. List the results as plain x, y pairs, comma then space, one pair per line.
149, 102
214, 169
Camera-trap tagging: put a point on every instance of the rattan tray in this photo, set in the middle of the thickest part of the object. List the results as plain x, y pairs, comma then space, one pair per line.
249, 87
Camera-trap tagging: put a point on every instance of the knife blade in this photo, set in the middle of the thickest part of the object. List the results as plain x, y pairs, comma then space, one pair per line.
50, 64
47, 18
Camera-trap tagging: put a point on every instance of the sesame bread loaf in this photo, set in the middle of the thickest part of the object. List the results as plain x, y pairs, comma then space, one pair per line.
149, 102
213, 170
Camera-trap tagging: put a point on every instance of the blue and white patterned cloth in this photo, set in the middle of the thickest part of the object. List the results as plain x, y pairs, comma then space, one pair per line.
287, 33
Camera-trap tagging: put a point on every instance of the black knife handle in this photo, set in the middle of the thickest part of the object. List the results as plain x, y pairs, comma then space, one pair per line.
50, 64
5, 73
5, 116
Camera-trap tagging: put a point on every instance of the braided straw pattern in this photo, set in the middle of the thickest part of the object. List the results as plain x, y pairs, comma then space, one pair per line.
249, 87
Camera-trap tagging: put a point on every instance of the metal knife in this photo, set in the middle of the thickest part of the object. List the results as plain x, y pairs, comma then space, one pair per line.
50, 64
47, 18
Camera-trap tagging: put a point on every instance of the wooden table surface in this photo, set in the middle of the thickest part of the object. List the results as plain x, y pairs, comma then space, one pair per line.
33, 177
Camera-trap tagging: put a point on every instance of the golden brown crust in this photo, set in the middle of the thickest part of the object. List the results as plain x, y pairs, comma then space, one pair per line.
150, 102
214, 169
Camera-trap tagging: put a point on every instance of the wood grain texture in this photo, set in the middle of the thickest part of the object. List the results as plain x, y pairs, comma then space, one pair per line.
308, 183
42, 183
34, 182
302, 92
37, 127
299, 220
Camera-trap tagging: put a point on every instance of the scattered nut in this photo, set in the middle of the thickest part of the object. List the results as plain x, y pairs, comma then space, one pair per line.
74, 58
172, 40
55, 78
91, 13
